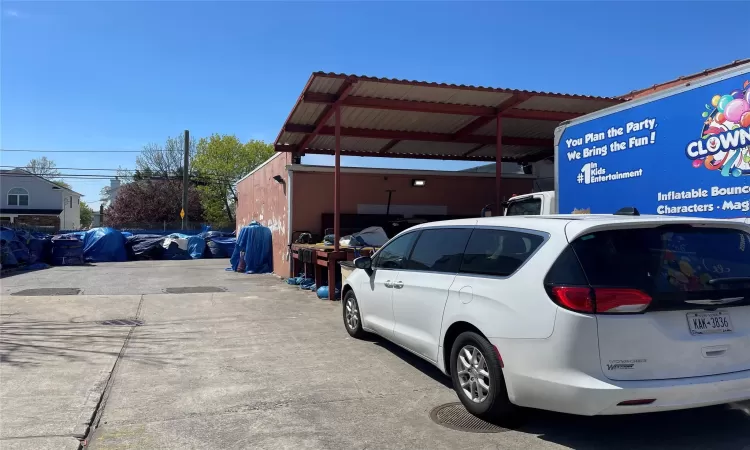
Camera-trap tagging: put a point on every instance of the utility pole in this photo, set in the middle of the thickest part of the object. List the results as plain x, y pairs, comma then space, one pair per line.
185, 166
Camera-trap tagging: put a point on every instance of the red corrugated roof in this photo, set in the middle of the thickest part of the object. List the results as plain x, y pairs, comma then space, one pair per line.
419, 119
680, 80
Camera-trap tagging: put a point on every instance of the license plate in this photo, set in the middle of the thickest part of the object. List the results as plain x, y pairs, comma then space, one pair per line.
709, 322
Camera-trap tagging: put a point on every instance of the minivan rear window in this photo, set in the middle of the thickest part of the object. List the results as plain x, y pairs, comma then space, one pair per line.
667, 259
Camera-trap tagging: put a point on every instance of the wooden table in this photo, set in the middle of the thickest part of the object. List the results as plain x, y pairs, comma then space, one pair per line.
321, 257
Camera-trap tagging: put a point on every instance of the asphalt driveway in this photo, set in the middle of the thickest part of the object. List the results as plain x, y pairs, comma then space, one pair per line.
258, 364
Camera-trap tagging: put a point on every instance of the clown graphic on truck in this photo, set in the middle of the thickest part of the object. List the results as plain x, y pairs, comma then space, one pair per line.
681, 151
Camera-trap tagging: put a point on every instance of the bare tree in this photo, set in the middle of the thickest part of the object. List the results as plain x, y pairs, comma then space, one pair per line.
164, 161
43, 167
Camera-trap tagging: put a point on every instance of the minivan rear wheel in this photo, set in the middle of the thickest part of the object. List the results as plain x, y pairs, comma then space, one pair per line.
478, 378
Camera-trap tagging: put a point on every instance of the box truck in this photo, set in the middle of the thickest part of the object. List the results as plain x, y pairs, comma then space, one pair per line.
681, 151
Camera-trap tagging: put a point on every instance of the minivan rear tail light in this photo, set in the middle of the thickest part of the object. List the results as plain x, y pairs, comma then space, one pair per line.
600, 300
575, 298
611, 300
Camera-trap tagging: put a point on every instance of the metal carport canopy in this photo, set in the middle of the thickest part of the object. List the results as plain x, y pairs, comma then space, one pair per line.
416, 119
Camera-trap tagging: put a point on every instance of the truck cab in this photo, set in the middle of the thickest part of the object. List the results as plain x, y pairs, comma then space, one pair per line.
535, 204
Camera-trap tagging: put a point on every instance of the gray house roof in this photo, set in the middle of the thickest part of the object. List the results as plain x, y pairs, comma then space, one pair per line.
23, 172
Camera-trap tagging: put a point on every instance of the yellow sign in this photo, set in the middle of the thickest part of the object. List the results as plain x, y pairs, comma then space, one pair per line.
182, 214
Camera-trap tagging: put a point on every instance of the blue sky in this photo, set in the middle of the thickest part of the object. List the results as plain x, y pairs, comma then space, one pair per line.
107, 75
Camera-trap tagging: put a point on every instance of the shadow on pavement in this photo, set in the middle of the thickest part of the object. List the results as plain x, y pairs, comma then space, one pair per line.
717, 427
415, 361
33, 342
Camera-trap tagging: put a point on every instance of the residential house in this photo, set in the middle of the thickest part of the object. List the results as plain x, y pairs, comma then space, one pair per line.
33, 201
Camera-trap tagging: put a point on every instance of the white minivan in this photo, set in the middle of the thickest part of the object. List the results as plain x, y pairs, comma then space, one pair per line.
580, 314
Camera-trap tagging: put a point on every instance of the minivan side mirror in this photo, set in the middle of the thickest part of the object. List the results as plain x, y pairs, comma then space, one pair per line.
363, 262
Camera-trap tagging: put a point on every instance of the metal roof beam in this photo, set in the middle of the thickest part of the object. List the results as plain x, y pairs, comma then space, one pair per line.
402, 105
292, 148
439, 108
513, 101
387, 147
343, 93
415, 136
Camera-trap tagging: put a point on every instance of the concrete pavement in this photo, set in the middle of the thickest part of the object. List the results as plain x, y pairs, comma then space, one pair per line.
263, 365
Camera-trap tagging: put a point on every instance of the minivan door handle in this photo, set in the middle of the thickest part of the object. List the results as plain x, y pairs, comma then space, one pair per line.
398, 284
388, 284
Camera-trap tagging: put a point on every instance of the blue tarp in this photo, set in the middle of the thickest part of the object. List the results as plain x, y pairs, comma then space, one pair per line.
196, 244
104, 245
221, 247
255, 241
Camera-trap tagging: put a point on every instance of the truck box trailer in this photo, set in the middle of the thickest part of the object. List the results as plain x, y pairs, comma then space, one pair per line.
681, 151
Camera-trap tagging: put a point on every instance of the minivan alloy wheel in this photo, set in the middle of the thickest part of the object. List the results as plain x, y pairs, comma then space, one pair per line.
352, 314
473, 374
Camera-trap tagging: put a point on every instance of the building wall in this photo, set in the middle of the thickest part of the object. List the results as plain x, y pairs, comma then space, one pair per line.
42, 194
70, 217
462, 195
263, 199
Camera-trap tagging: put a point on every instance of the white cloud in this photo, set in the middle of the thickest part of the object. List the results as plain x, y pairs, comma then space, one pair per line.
14, 13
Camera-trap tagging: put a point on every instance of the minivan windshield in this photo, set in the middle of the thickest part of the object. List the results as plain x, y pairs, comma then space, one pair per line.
669, 259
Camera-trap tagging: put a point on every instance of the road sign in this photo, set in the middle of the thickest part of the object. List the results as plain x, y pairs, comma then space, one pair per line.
182, 214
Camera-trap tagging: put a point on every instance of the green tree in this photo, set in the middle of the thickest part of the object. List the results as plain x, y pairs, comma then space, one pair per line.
220, 161
87, 215
61, 183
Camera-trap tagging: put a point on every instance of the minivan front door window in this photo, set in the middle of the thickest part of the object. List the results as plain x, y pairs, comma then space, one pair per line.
439, 250
394, 254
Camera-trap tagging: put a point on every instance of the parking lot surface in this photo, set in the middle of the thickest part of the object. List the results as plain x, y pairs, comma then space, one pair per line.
257, 364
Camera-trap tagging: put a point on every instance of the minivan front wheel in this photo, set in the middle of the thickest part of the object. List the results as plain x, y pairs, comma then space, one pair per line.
478, 378
352, 318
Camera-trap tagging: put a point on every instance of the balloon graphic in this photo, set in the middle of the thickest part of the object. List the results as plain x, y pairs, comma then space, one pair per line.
745, 120
736, 172
715, 100
724, 101
734, 110
747, 96
720, 118
736, 94
697, 163
705, 114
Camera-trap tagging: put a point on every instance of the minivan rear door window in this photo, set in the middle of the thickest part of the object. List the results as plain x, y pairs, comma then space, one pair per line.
673, 264
498, 252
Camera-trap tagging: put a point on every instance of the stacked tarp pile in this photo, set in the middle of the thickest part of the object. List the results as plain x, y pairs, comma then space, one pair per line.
253, 252
104, 245
16, 253
219, 244
145, 246
183, 246
38, 244
67, 250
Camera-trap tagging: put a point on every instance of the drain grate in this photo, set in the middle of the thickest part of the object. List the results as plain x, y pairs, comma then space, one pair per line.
48, 291
194, 290
456, 417
123, 322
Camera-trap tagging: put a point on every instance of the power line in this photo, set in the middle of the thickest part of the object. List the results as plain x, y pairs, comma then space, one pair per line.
80, 151
103, 176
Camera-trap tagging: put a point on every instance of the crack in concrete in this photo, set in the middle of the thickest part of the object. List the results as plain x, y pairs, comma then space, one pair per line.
96, 416
264, 406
